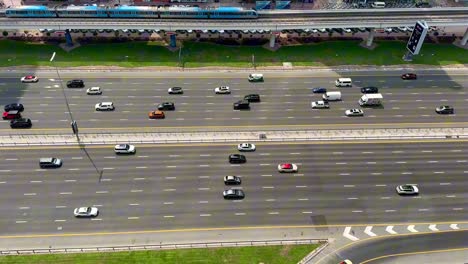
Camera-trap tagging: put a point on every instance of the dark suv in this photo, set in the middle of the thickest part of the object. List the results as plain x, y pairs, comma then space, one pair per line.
166, 106
242, 104
252, 97
237, 158
75, 84
445, 109
16, 106
21, 123
369, 90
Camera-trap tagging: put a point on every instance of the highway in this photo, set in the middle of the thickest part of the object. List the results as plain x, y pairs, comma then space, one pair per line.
169, 187
285, 102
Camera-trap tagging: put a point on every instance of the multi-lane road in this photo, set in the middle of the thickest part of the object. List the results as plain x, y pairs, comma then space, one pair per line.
285, 102
166, 187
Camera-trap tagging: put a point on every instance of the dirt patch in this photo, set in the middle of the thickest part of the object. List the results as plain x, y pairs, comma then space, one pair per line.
285, 250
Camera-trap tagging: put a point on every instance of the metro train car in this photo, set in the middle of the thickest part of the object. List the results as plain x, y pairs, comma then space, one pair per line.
232, 13
183, 12
30, 11
81, 11
133, 12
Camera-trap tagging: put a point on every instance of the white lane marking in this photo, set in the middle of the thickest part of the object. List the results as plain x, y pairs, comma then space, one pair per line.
439, 172
11, 159
202, 202
412, 229
265, 164
135, 191
65, 193
105, 180
203, 215
60, 220
204, 165
21, 221
390, 211
203, 189
390, 230
461, 161
308, 212
35, 181
134, 204
367, 152
142, 167
5, 170
133, 217
400, 162
301, 186
205, 155
2, 182
451, 196
295, 153
168, 203
337, 153
204, 177
385, 197
171, 166
445, 183
264, 154
454, 226
371, 162
174, 156
344, 174
347, 234
60, 206
109, 157
273, 213
268, 187
77, 158
406, 173
348, 186
170, 178
376, 173
433, 228
426, 151
102, 192
432, 161
298, 175
138, 179
30, 194
380, 185
239, 214
357, 211
96, 219
74, 169
24, 208
142, 156
303, 199
169, 190
456, 150
266, 175
169, 216
352, 198
457, 209
270, 200
398, 151
341, 163
423, 210
369, 232
107, 168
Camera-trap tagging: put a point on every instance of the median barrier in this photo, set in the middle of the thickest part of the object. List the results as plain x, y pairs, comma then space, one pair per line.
163, 246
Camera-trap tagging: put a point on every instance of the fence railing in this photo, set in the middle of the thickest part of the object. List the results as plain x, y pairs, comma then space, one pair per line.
163, 246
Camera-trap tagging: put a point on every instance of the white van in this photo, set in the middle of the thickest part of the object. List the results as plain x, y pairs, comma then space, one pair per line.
378, 5
332, 96
343, 82
256, 77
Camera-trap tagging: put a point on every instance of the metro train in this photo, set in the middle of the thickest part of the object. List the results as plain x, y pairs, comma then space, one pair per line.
131, 12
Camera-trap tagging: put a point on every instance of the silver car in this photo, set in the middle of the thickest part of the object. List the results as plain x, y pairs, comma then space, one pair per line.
86, 212
124, 149
246, 147
354, 112
408, 189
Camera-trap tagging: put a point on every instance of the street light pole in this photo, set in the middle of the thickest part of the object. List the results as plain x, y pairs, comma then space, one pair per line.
180, 56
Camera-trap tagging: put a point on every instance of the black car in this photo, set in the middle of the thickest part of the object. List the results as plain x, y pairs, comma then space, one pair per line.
16, 106
242, 104
166, 106
252, 98
233, 194
237, 158
319, 90
21, 123
75, 84
369, 90
423, 5
409, 76
445, 109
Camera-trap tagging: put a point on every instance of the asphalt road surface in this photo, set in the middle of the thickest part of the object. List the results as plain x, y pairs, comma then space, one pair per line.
285, 102
408, 249
166, 187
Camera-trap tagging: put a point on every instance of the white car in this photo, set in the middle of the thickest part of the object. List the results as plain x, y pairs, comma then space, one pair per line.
124, 149
246, 147
287, 167
409, 189
222, 90
354, 112
320, 105
104, 106
29, 79
94, 90
86, 212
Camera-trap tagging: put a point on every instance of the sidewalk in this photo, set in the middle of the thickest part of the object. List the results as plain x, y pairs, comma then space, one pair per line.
223, 137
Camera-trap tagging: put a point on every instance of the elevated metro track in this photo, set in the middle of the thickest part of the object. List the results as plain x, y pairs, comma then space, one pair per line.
259, 24
269, 20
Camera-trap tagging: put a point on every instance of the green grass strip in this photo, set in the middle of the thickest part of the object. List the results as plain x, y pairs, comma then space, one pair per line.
196, 54
231, 255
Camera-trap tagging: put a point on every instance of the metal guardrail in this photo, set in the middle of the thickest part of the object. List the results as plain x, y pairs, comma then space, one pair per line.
163, 246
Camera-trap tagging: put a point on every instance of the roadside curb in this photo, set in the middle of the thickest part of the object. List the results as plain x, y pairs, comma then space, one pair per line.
232, 69
314, 253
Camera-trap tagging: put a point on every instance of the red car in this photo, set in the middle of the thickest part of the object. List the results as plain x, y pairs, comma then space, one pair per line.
409, 76
13, 114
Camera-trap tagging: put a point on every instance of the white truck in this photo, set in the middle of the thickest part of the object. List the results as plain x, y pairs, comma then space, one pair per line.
371, 100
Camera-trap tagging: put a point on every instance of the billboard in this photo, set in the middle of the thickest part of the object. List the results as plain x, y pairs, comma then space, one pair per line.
417, 37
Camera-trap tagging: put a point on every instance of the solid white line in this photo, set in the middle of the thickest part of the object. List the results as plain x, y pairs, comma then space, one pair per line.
96, 219
173, 166
347, 234
107, 168
411, 229
369, 232
170, 178
307, 212
400, 162
439, 172
203, 165
433, 228
404, 173
376, 173
461, 161
432, 161
341, 163
344, 174
390, 230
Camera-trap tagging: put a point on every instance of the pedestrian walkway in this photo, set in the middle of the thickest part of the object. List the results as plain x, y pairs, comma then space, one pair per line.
239, 136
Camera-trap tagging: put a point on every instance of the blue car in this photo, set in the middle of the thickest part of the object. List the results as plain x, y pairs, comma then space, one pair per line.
319, 90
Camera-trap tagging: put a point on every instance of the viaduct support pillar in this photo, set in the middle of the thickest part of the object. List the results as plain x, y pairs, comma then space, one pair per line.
463, 41
465, 38
370, 38
68, 38
173, 43
273, 40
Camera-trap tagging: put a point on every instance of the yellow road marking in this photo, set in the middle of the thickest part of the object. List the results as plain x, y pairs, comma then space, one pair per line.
415, 253
386, 236
222, 229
